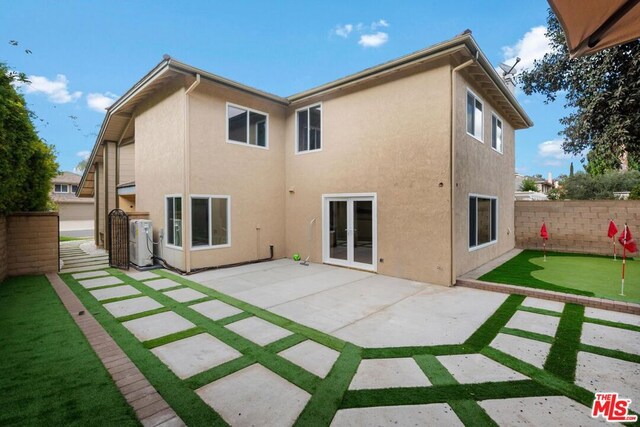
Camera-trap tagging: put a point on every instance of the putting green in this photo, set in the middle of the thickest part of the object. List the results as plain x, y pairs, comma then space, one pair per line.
580, 274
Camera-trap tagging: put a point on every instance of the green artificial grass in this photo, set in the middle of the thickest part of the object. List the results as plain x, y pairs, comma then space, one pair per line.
486, 333
563, 356
49, 374
71, 239
588, 275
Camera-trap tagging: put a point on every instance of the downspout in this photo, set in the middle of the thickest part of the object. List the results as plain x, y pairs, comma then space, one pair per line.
452, 165
186, 217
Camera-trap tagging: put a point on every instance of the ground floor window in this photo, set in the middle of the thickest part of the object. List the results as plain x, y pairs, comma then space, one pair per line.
483, 217
210, 224
174, 220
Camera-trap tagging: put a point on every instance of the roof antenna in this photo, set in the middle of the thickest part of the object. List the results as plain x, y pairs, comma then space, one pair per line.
166, 57
509, 74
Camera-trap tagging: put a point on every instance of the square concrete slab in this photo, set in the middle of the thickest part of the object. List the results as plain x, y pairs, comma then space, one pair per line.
88, 274
115, 292
609, 337
195, 354
259, 331
157, 325
142, 275
312, 356
476, 368
388, 373
435, 414
185, 295
215, 310
100, 281
612, 316
545, 304
540, 411
606, 374
255, 396
530, 351
534, 322
160, 284
131, 306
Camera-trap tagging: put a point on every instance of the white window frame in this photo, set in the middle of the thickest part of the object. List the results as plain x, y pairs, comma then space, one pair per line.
166, 221
61, 191
466, 127
248, 110
491, 242
209, 197
499, 119
307, 108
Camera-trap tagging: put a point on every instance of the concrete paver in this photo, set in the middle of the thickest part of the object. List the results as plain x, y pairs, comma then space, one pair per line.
89, 274
255, 396
259, 331
185, 295
610, 337
196, 354
533, 322
435, 414
476, 368
606, 374
115, 292
142, 275
545, 304
132, 306
312, 356
388, 373
612, 316
100, 281
161, 284
530, 351
157, 325
215, 310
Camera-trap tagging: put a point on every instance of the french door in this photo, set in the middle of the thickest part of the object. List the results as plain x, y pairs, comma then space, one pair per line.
350, 230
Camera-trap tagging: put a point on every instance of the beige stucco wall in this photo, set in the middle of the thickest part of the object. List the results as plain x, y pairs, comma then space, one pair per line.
481, 170
159, 129
126, 159
76, 211
31, 243
576, 225
393, 140
253, 177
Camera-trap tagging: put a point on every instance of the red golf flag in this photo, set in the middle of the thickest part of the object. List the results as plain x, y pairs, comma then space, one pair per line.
627, 240
613, 230
543, 232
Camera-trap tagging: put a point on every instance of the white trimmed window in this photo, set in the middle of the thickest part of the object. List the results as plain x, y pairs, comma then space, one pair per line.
61, 188
475, 116
247, 126
173, 211
309, 129
496, 133
210, 221
74, 188
483, 221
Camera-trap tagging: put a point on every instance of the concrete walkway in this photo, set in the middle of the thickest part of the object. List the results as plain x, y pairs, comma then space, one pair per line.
81, 255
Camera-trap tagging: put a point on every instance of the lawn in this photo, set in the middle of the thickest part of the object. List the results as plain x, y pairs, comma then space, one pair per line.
589, 275
49, 374
71, 239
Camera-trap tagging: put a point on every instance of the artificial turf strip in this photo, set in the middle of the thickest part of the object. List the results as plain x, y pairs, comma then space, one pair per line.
612, 324
220, 371
528, 334
49, 374
143, 314
617, 354
469, 412
563, 356
118, 299
285, 343
235, 318
157, 342
539, 311
327, 399
436, 350
486, 333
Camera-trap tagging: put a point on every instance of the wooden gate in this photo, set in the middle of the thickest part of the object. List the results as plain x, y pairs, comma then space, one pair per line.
118, 233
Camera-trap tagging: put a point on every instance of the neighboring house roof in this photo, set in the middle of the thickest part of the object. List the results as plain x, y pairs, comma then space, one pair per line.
530, 195
116, 124
67, 177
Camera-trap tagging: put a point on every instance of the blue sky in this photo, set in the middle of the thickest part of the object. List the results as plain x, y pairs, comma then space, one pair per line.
86, 53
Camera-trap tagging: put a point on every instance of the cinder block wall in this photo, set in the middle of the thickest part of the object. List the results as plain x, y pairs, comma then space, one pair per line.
574, 226
31, 243
3, 248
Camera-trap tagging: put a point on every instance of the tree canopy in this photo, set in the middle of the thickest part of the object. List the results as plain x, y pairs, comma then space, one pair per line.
528, 184
27, 163
602, 93
583, 186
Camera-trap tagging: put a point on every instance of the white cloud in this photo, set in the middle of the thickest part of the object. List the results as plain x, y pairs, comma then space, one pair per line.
533, 45
552, 153
373, 40
57, 90
378, 24
343, 30
100, 101
83, 154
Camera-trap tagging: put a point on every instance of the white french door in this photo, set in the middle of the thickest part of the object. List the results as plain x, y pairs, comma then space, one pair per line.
349, 232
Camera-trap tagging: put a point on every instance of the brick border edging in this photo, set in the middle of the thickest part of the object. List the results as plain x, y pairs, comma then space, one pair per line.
150, 408
623, 307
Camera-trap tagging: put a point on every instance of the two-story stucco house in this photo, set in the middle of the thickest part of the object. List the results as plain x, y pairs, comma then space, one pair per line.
403, 169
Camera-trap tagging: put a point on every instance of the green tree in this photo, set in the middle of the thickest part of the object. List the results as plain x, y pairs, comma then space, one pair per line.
602, 93
583, 186
528, 184
634, 194
82, 165
27, 163
571, 169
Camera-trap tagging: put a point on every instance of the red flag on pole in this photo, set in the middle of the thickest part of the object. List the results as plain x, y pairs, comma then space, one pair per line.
611, 233
627, 240
543, 232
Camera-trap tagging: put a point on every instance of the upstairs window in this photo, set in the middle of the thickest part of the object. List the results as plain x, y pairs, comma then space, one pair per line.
61, 188
247, 126
475, 116
496, 133
309, 129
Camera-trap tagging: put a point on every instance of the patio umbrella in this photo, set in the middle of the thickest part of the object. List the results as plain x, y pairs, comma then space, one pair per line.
613, 230
545, 237
628, 244
593, 25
